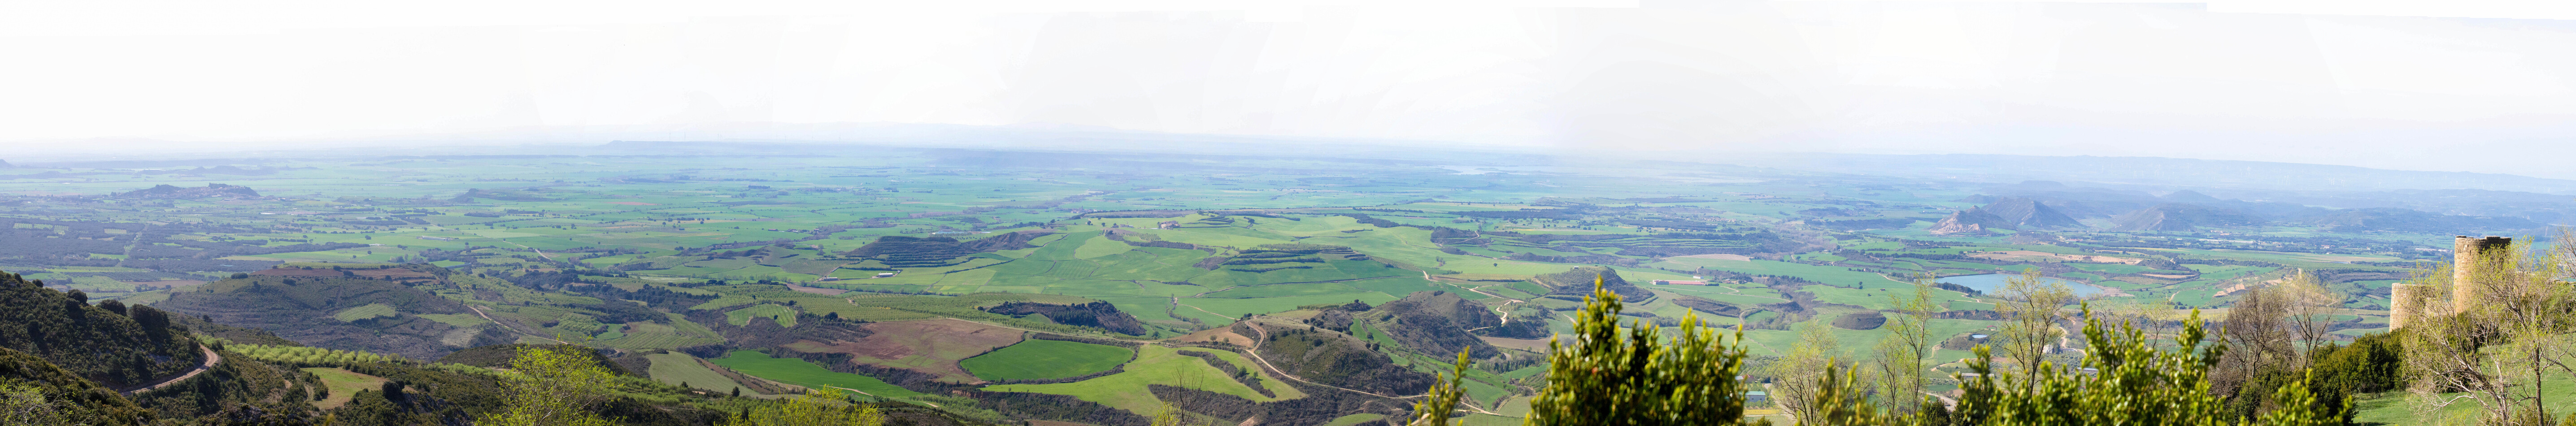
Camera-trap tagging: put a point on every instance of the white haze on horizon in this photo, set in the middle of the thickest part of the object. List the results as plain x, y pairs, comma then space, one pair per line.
2387, 84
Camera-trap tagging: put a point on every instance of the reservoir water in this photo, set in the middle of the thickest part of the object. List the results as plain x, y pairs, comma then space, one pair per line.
1991, 283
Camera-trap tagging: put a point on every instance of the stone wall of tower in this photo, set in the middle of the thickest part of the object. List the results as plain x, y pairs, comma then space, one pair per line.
2406, 302
2468, 255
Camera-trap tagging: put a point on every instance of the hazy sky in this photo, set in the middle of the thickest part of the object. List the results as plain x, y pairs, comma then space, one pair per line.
2451, 85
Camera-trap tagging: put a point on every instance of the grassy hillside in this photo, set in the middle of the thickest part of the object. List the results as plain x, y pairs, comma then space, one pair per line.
798, 372
1154, 365
679, 369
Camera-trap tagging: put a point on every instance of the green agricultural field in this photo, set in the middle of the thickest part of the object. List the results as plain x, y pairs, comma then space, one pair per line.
344, 384
798, 372
1036, 359
1157, 365
1825, 274
679, 368
1226, 310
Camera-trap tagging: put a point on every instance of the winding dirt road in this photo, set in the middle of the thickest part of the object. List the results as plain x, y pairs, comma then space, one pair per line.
211, 359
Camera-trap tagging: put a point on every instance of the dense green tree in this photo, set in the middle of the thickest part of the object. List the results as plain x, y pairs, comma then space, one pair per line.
2372, 363
1434, 410
819, 407
34, 392
1606, 376
554, 386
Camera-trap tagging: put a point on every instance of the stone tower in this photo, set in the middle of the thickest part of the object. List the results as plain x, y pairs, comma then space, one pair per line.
2468, 257
2407, 301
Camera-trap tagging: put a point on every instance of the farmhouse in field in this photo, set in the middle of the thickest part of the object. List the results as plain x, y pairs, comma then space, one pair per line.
1679, 282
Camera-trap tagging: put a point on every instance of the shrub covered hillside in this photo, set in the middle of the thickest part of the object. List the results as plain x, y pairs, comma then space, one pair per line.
110, 343
310, 310
28, 378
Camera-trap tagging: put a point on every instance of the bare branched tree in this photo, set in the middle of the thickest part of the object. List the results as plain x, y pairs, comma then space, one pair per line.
2310, 309
1903, 354
2258, 334
2033, 307
1797, 373
2508, 336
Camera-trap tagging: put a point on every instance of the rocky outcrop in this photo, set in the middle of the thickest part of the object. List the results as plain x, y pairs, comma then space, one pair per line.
1969, 222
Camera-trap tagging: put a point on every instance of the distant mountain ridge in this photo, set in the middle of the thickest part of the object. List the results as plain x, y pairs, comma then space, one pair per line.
2150, 171
2029, 213
2181, 217
2033, 203
2404, 220
182, 193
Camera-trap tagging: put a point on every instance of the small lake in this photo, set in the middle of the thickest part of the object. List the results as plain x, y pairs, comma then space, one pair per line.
1991, 283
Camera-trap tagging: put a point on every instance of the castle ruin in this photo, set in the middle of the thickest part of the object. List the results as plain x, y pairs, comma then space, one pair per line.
2470, 256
